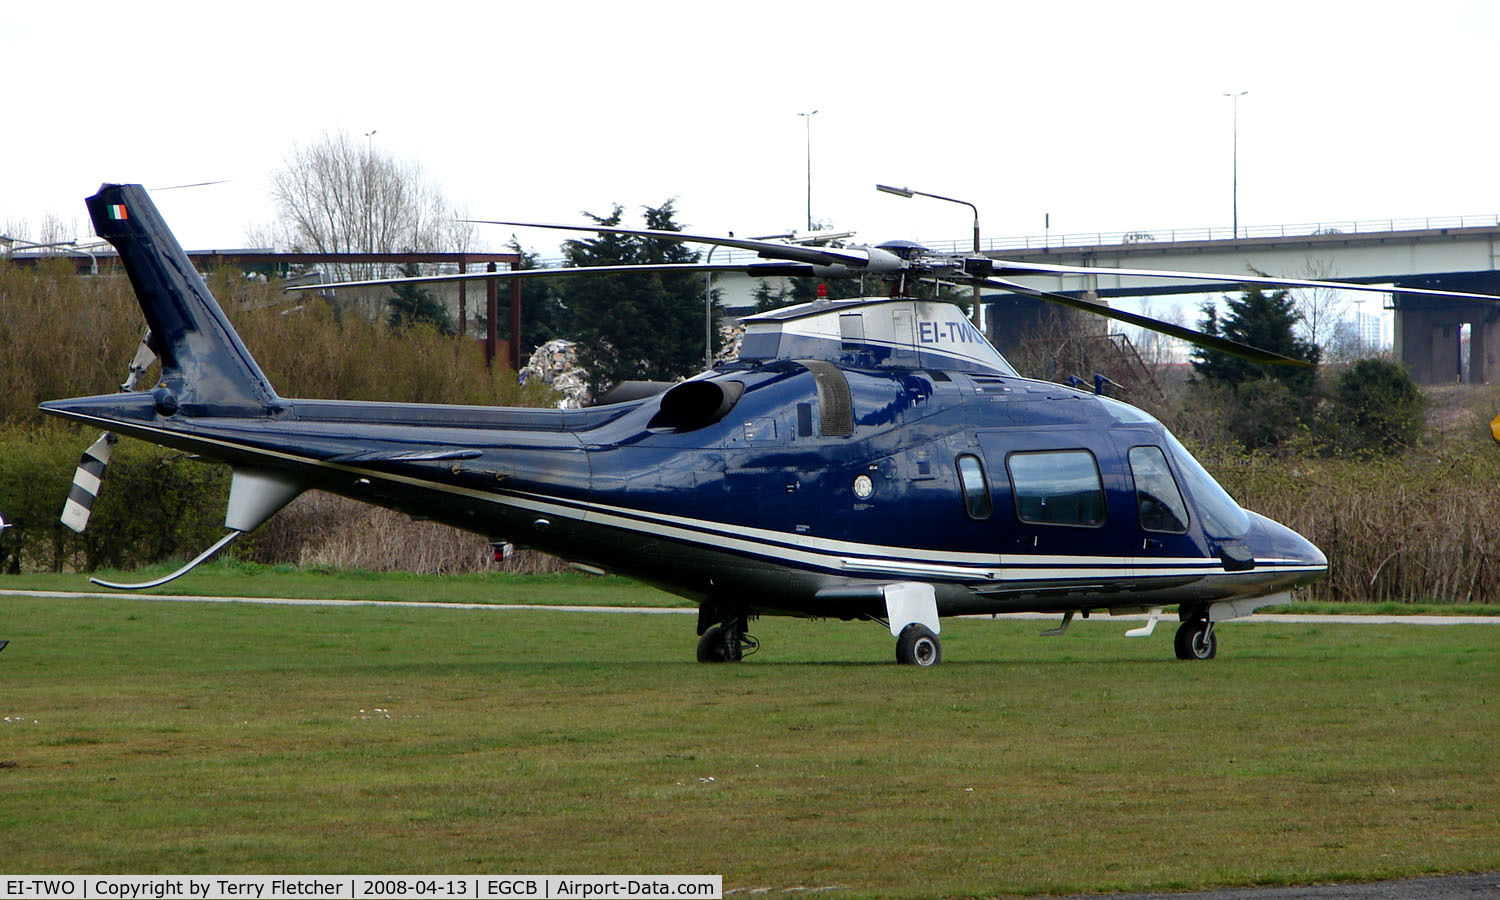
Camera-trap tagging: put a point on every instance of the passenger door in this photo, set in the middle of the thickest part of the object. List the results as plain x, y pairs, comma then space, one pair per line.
1067, 497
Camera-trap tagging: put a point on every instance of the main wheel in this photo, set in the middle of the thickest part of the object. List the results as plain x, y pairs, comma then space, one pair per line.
720, 643
1196, 640
918, 646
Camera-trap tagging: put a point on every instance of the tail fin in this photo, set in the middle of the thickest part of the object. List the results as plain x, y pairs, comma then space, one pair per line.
203, 364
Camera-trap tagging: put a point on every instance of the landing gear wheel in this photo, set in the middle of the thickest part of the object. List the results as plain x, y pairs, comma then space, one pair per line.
722, 643
918, 646
1196, 640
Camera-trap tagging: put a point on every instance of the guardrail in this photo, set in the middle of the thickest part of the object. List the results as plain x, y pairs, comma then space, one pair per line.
1172, 235
1225, 233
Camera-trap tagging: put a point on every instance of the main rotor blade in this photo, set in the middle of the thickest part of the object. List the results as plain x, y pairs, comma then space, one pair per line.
824, 256
762, 270
1013, 267
1212, 342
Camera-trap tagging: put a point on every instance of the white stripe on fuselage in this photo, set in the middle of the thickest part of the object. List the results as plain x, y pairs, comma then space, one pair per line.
799, 549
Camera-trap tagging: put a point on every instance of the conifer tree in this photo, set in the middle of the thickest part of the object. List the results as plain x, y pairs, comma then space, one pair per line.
1269, 403
1266, 320
646, 326
412, 304
542, 316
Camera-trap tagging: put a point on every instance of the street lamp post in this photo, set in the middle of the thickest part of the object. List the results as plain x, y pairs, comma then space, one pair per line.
908, 192
1235, 164
807, 118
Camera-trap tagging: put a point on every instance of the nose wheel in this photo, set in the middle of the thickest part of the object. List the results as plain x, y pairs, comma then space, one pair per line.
1196, 639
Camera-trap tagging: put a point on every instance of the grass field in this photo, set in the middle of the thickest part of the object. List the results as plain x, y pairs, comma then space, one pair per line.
184, 738
236, 579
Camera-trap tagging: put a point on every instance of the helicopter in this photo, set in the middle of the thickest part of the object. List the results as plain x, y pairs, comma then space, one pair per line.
872, 459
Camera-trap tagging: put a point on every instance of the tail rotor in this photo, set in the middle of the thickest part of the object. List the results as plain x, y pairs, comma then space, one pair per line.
89, 476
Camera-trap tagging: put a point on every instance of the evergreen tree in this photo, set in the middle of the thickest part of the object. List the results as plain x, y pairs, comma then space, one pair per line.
768, 298
647, 326
542, 315
1263, 320
1269, 403
412, 304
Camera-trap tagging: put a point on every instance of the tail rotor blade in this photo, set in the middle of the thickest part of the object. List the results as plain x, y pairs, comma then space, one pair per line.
89, 475
144, 357
86, 480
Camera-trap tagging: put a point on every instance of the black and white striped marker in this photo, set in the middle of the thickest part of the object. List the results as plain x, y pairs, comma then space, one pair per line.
86, 480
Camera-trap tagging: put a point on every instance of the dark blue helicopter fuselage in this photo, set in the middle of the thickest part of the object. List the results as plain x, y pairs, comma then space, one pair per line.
762, 508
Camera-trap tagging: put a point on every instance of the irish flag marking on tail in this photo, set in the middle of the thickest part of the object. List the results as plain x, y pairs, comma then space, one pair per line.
117, 211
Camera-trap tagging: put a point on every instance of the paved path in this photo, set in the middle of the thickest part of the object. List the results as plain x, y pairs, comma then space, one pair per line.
679, 610
1443, 887
299, 601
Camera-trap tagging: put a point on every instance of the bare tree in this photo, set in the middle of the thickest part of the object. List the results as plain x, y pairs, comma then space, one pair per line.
1322, 309
340, 195
1158, 350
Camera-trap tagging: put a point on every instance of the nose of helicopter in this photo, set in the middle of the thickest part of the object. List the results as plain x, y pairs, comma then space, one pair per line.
1278, 546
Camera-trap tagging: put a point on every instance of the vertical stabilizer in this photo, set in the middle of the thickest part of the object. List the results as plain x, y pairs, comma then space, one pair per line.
206, 370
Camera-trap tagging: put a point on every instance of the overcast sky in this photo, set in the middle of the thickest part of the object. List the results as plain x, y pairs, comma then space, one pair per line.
1109, 116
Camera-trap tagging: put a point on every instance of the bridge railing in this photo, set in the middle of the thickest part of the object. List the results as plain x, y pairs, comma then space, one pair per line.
1224, 233
1172, 235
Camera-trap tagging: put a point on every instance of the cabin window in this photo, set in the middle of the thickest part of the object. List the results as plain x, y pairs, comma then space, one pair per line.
1157, 498
1057, 487
976, 489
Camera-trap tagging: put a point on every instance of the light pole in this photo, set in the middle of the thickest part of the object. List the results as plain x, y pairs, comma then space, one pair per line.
1235, 165
807, 118
908, 192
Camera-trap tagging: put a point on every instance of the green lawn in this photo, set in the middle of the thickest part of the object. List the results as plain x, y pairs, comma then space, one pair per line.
184, 738
235, 579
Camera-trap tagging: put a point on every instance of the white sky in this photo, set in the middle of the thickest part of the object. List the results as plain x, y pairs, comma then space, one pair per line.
1109, 116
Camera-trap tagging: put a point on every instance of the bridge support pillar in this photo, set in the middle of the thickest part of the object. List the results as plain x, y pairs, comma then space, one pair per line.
1429, 333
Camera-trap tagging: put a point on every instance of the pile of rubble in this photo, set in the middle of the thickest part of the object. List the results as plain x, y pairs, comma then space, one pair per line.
729, 343
556, 364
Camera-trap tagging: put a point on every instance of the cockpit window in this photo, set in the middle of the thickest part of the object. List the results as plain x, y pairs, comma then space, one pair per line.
1157, 498
1221, 516
1057, 487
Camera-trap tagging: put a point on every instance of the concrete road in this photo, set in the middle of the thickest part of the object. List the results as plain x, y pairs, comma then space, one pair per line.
1443, 887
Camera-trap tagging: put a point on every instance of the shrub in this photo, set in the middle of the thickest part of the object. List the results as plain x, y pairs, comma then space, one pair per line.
155, 504
1375, 409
